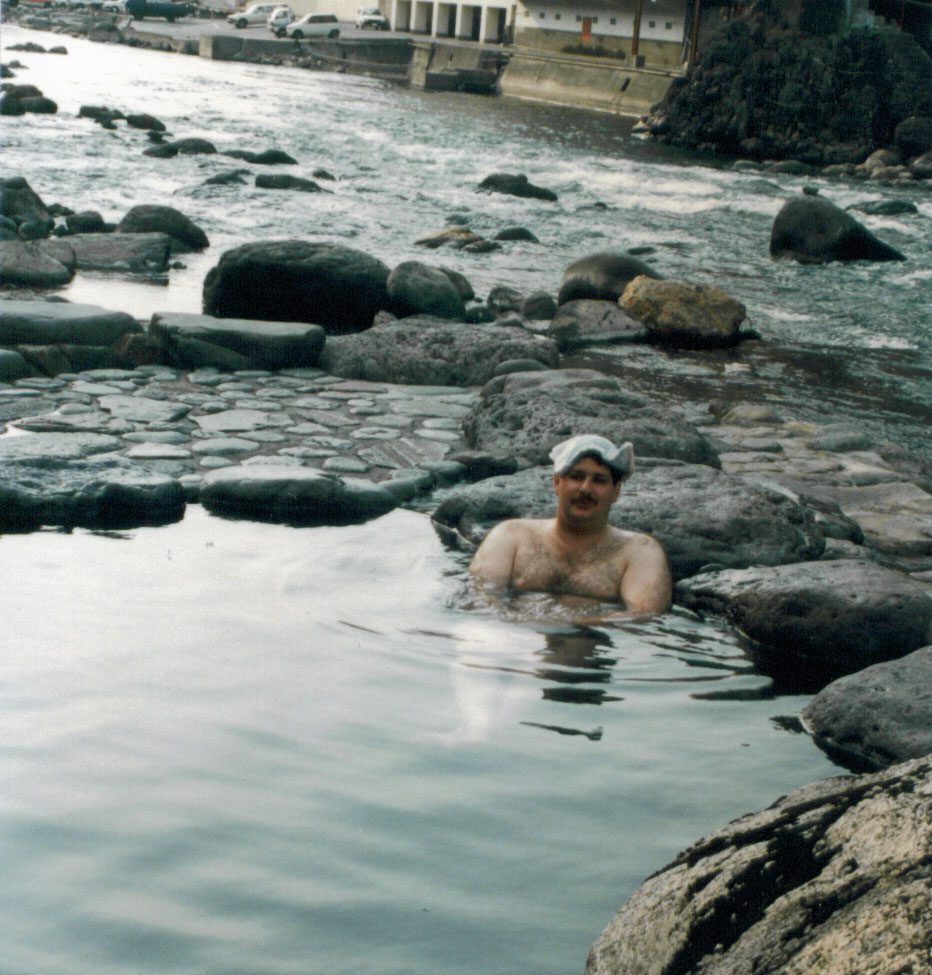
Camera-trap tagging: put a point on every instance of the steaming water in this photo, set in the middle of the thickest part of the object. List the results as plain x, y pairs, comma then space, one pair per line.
231, 748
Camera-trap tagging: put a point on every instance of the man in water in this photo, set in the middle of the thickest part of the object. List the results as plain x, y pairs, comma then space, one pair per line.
578, 552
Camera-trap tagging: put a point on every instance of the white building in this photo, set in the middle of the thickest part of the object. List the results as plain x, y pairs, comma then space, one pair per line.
602, 26
481, 20
607, 27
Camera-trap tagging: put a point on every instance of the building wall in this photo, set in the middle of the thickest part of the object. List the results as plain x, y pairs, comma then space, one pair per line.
480, 20
559, 27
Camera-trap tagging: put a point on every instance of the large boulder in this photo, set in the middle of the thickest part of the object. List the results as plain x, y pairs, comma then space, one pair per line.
61, 323
812, 230
602, 276
296, 280
418, 289
432, 352
818, 619
526, 414
262, 345
878, 716
685, 315
698, 514
26, 264
74, 480
515, 184
292, 495
151, 218
833, 879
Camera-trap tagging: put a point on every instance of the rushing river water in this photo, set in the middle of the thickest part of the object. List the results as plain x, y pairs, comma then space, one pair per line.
231, 748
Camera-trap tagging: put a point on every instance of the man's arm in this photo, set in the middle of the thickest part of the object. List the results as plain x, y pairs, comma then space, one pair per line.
646, 586
495, 558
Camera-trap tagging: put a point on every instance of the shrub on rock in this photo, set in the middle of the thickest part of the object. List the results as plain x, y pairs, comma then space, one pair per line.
295, 280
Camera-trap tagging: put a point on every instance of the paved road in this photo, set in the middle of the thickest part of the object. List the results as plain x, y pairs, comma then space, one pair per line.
191, 28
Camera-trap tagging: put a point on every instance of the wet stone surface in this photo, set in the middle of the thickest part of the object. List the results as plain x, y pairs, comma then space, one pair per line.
186, 424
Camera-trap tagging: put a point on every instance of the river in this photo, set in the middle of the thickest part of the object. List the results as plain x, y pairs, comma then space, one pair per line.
231, 748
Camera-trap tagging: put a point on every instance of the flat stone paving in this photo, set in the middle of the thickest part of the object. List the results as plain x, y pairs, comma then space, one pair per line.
184, 424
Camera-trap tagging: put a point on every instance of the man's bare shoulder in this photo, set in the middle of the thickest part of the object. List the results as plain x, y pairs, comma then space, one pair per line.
519, 528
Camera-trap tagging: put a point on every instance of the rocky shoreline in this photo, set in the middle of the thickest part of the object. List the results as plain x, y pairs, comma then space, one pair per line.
399, 387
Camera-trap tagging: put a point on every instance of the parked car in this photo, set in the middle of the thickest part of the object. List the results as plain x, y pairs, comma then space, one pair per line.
255, 13
314, 25
114, 7
279, 19
371, 18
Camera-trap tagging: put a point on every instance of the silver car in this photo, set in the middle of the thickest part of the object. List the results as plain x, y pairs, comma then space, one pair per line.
314, 25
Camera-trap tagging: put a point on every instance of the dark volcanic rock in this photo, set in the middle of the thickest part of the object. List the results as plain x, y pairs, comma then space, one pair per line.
812, 230
698, 514
61, 323
418, 289
151, 218
885, 208
85, 222
602, 276
584, 321
878, 716
527, 414
432, 352
20, 202
825, 618
515, 184
25, 264
266, 345
834, 878
288, 280
72, 480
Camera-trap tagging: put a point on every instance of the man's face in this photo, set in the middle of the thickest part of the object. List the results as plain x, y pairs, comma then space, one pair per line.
585, 493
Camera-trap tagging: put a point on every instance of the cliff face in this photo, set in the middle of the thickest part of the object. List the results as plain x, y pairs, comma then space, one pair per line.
767, 92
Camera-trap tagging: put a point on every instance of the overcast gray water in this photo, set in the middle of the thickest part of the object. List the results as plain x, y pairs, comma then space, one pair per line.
230, 748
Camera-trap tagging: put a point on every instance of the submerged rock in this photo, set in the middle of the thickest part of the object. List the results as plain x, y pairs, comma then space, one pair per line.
269, 157
833, 878
292, 495
878, 716
828, 618
285, 181
812, 230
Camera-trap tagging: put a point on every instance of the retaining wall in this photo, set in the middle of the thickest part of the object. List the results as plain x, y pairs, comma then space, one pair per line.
584, 83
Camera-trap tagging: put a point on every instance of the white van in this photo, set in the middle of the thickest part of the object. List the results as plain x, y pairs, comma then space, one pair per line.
255, 13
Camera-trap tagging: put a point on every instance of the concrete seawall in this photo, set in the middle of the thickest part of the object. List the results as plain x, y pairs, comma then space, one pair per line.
584, 82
